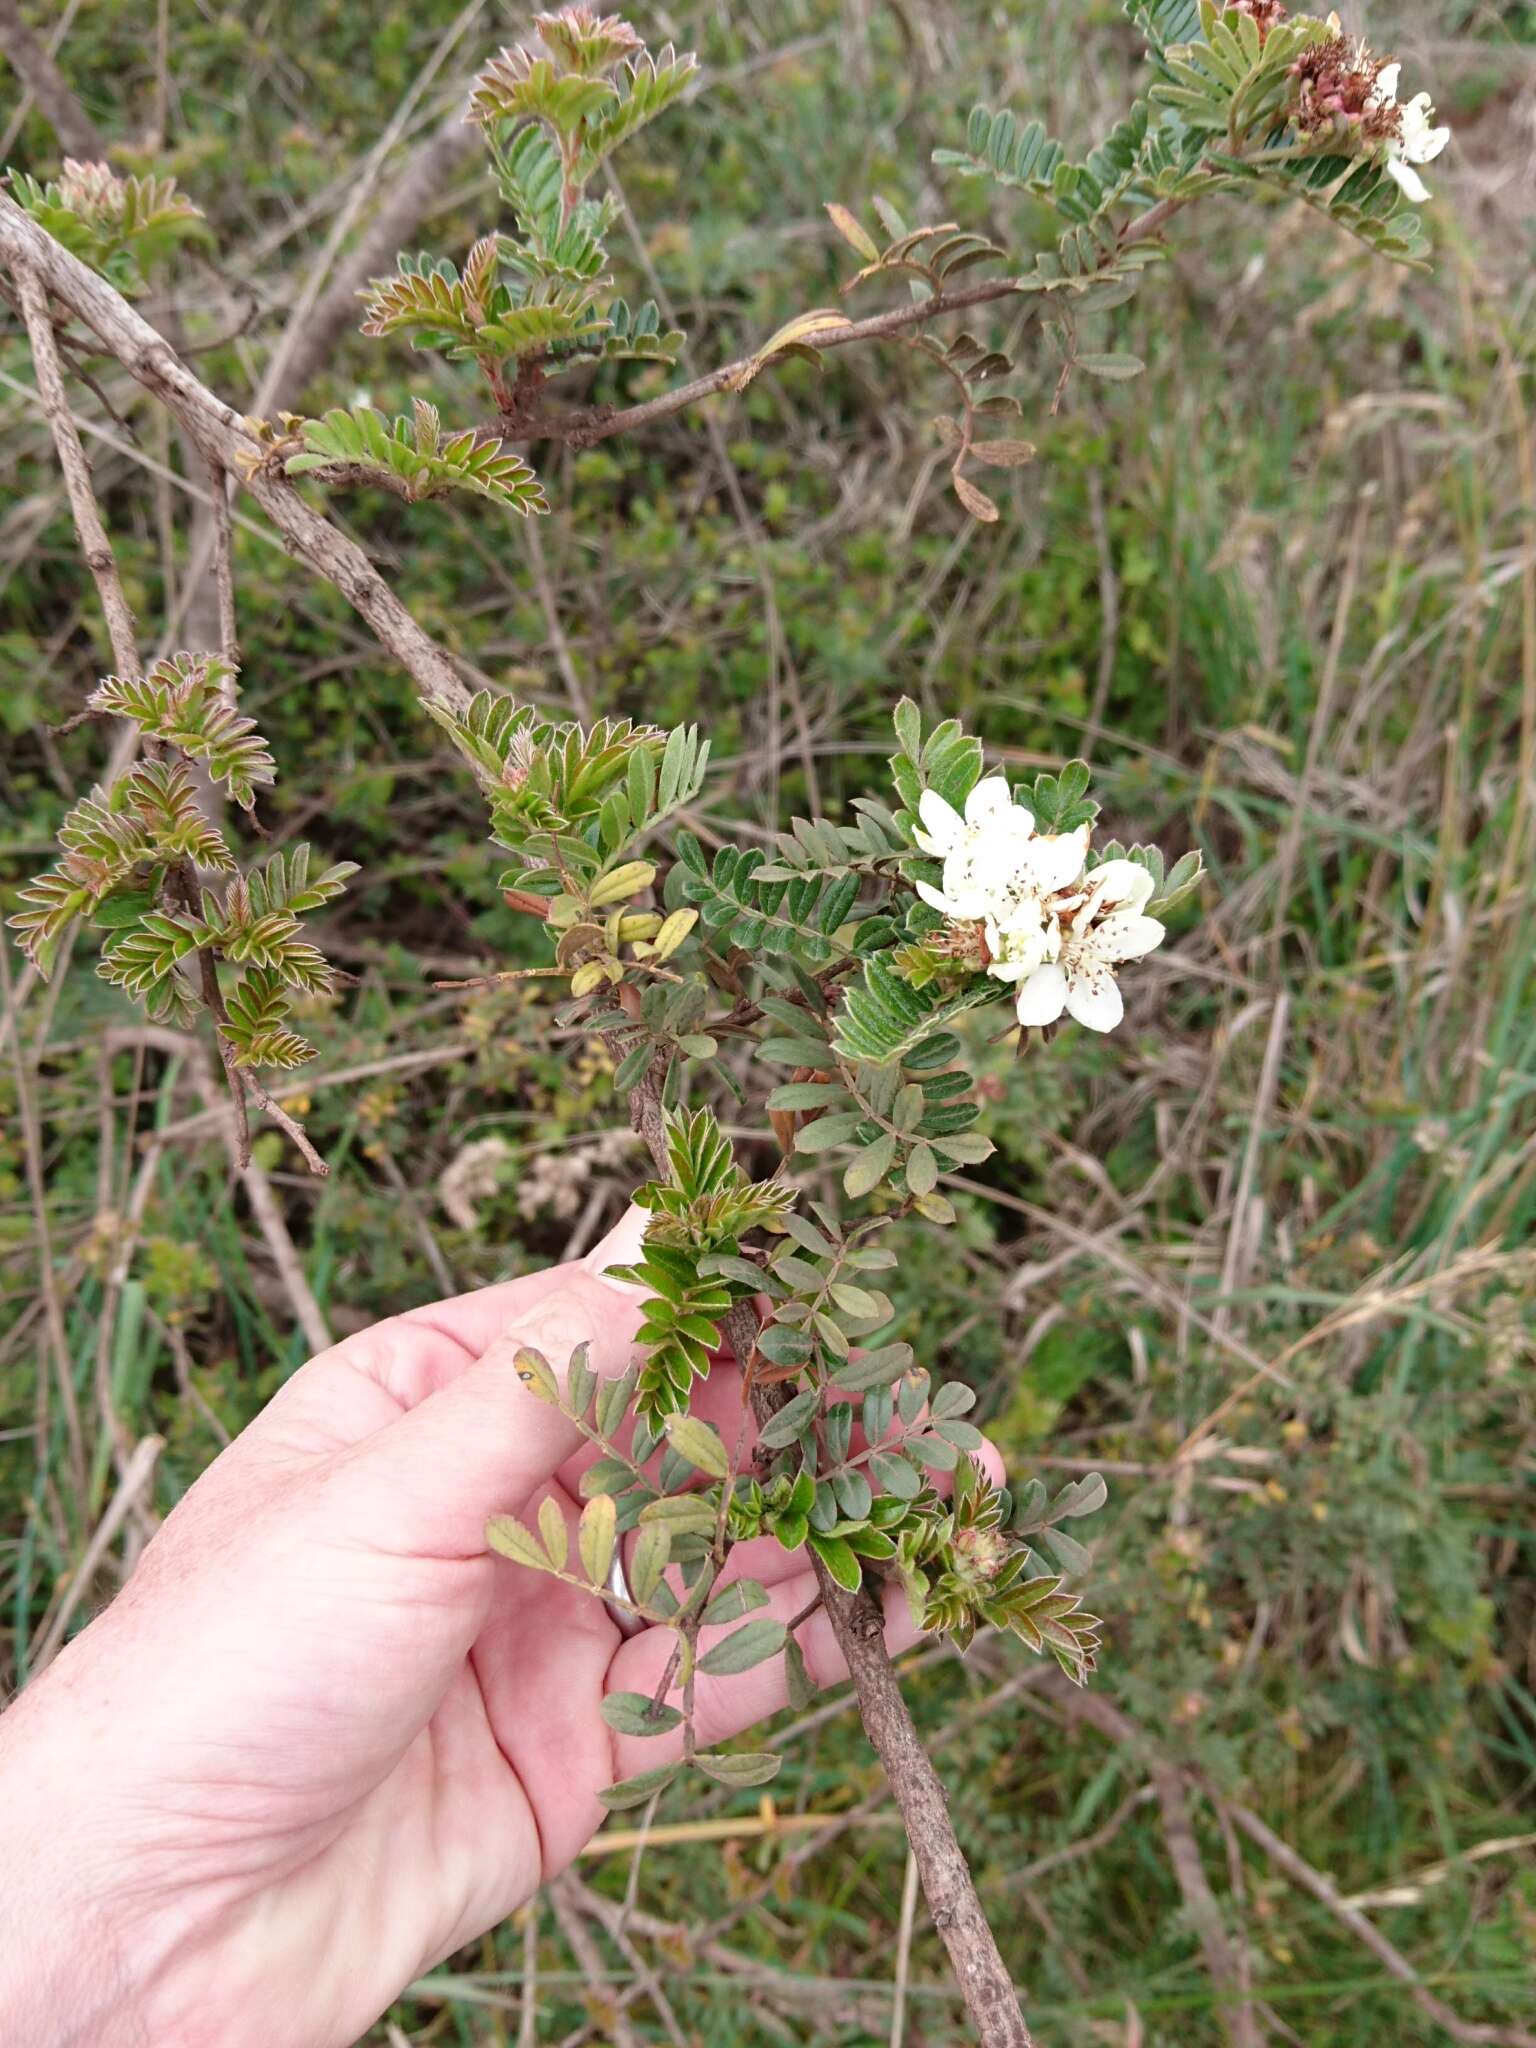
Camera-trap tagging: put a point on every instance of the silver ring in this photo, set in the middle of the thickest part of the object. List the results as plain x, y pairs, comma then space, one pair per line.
623, 1618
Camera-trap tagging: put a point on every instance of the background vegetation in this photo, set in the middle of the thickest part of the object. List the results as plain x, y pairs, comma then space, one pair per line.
1282, 590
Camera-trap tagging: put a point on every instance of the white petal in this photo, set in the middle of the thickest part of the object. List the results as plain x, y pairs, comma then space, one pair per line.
1055, 859
1408, 178
942, 820
990, 796
1386, 81
1093, 998
1117, 885
965, 895
1017, 949
1043, 997
1126, 936
935, 900
1426, 147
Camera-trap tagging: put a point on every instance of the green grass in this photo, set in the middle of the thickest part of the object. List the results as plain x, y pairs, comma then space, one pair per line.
1328, 1618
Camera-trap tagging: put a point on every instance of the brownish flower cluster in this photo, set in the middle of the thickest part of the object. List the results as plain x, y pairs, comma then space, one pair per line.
1267, 13
1336, 87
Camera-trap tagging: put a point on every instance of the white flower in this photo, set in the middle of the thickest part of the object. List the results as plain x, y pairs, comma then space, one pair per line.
1105, 927
981, 852
1418, 142
1019, 943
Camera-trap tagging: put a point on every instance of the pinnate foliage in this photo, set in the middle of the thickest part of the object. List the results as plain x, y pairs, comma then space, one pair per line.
538, 295
414, 456
118, 226
187, 701
143, 863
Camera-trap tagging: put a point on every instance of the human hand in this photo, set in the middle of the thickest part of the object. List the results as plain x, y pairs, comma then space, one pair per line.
322, 1738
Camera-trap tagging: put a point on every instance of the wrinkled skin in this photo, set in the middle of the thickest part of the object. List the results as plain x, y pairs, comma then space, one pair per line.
322, 1738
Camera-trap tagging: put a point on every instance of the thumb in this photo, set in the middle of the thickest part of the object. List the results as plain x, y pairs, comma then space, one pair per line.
483, 1444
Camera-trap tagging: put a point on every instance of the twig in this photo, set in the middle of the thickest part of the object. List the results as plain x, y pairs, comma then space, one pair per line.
223, 570
584, 428
589, 1956
1301, 1873
33, 65
1109, 597
1170, 1785
223, 437
136, 1476
1290, 846
58, 1341
300, 349
258, 1189
528, 2018
32, 295
903, 1951
858, 1622
1238, 1239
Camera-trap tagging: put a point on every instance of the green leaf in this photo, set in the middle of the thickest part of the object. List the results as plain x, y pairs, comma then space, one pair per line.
1071, 1555
630, 1792
885, 1018
743, 1648
699, 1443
797, 1679
908, 721
682, 1514
1111, 366
934, 1451
185, 700
741, 1597
894, 1475
793, 1417
859, 1302
738, 1767
1083, 1496
827, 1131
873, 1368
921, 1169
870, 1168
635, 1713
652, 1551
840, 1561
781, 1345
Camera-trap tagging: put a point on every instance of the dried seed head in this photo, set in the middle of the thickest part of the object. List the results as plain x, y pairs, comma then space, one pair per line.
1337, 89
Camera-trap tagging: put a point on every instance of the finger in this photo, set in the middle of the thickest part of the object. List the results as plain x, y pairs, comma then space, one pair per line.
475, 1320
724, 1707
484, 1443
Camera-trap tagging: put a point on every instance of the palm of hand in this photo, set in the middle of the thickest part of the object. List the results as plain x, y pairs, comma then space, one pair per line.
351, 1738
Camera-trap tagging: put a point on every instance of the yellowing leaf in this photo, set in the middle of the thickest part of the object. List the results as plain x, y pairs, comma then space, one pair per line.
855, 236
627, 880
975, 501
797, 334
699, 1444
1004, 454
507, 1536
552, 1529
596, 1535
673, 932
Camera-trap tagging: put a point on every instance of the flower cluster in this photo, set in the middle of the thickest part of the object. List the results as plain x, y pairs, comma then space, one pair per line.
1029, 910
1340, 86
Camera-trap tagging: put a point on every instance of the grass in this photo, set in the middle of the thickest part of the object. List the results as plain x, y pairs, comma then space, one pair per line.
1264, 1257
